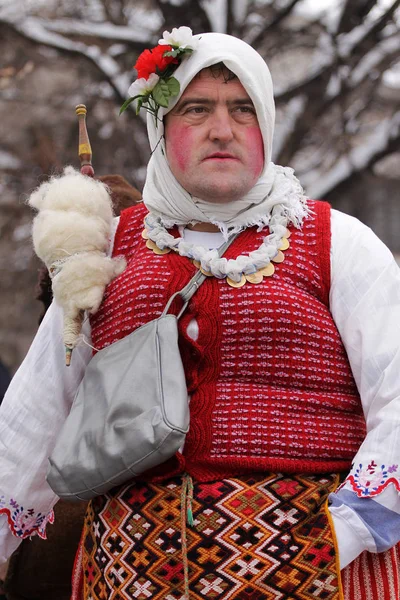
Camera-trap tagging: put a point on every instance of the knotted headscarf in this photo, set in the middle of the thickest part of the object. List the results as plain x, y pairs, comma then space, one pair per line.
166, 198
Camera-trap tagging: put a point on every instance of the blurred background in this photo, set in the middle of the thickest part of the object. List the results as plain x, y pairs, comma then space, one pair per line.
336, 71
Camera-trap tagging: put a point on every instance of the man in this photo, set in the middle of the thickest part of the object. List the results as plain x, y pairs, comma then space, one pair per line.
286, 347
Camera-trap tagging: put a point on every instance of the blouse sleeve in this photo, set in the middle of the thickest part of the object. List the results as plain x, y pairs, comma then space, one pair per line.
32, 413
365, 304
34, 408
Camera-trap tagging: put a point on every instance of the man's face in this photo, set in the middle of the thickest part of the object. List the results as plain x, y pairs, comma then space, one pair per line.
213, 141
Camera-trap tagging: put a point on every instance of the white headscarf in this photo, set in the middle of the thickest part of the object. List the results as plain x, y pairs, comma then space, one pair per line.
167, 199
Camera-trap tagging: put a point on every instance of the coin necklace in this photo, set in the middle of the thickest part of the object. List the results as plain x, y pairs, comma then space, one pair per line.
250, 268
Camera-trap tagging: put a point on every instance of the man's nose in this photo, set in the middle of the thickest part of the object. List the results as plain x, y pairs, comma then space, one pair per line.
221, 126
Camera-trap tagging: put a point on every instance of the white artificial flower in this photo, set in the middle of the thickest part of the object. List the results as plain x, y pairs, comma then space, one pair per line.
143, 86
181, 37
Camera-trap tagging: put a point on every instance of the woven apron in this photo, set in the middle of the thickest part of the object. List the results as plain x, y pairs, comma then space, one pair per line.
253, 538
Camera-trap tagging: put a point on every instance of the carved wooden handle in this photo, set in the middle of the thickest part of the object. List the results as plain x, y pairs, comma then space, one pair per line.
84, 150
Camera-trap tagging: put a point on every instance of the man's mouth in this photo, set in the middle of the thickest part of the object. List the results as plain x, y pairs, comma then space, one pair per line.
221, 155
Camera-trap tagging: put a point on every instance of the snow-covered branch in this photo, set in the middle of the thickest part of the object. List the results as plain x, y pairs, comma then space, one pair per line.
35, 30
318, 184
274, 22
385, 51
335, 73
283, 132
137, 36
350, 42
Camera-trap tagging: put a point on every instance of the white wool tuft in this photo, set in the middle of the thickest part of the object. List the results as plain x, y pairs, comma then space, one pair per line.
80, 283
74, 191
59, 234
71, 234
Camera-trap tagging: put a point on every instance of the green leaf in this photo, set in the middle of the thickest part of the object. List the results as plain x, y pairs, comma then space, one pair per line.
173, 86
172, 53
184, 51
125, 105
139, 104
161, 93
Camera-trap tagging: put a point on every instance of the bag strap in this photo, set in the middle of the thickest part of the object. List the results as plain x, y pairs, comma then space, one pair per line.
190, 288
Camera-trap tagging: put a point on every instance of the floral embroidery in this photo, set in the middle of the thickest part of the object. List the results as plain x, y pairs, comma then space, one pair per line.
24, 523
371, 480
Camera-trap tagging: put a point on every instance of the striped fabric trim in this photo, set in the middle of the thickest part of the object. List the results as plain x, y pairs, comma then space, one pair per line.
373, 576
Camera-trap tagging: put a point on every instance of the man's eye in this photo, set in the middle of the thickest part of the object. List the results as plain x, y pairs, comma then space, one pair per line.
246, 109
197, 110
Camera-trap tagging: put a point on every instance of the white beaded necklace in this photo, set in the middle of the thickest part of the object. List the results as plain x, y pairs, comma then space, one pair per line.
253, 267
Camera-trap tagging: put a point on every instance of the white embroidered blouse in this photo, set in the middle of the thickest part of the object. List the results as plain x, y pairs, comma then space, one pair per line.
365, 304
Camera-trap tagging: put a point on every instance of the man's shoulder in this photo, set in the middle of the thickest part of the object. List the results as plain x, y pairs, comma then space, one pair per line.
132, 217
318, 205
348, 221
136, 211
130, 225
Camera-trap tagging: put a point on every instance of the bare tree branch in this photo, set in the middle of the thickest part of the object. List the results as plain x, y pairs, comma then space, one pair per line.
34, 31
363, 37
353, 14
383, 140
188, 12
230, 18
345, 68
114, 10
136, 37
278, 18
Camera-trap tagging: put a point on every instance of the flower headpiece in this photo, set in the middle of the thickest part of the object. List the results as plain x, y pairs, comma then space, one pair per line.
155, 85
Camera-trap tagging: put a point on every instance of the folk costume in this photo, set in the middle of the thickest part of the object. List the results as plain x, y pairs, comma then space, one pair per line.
292, 372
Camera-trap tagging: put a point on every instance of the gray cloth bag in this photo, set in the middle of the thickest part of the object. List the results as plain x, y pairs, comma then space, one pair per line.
130, 412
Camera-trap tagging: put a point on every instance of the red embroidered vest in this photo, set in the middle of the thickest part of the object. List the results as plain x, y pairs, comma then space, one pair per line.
270, 383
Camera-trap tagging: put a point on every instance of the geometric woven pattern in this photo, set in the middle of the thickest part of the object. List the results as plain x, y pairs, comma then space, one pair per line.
261, 538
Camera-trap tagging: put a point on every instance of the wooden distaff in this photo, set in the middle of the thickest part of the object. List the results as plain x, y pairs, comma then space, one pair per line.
84, 150
72, 326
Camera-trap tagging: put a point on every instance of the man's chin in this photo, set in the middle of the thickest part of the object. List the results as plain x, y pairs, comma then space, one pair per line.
218, 195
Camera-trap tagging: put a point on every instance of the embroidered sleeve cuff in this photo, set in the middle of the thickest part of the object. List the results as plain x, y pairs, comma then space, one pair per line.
8, 544
24, 522
370, 480
381, 515
351, 534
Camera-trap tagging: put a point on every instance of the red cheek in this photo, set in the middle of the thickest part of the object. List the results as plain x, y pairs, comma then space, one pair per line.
255, 147
179, 145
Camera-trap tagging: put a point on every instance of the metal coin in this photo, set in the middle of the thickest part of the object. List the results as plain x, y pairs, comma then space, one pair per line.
236, 284
145, 235
197, 263
207, 273
150, 244
158, 250
254, 277
280, 257
285, 244
268, 270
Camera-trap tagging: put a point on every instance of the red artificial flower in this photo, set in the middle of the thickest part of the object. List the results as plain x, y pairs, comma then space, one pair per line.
153, 59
